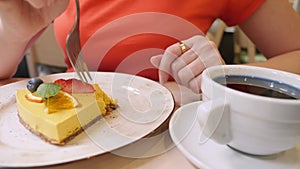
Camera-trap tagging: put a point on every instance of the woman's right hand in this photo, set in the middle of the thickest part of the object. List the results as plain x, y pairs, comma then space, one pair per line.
22, 19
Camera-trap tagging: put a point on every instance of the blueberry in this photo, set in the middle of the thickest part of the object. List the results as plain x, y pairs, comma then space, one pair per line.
33, 84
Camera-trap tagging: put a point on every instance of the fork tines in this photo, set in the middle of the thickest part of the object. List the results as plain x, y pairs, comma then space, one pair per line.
82, 69
73, 49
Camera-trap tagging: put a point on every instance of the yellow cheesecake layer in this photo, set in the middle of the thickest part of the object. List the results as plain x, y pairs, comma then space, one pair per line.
57, 127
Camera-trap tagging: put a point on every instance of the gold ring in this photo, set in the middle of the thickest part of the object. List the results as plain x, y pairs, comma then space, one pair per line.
183, 47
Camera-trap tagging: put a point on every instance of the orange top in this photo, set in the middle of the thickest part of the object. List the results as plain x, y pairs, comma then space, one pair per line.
122, 36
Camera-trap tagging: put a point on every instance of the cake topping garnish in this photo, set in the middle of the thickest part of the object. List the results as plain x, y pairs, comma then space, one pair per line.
33, 84
47, 90
33, 98
75, 86
61, 101
53, 95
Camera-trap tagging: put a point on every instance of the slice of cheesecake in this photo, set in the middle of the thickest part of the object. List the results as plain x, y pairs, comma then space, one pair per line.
57, 119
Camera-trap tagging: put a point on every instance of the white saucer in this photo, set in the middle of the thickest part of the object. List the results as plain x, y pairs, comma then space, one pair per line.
184, 130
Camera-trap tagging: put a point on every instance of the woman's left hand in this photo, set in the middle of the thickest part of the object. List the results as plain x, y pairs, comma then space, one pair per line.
186, 61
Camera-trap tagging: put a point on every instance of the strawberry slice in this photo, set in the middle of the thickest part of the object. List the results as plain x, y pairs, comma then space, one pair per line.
74, 86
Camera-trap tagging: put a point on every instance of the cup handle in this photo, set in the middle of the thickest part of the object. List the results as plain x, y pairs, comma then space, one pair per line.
213, 117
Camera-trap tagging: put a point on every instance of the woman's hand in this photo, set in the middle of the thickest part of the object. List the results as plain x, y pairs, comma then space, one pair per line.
24, 18
21, 22
186, 66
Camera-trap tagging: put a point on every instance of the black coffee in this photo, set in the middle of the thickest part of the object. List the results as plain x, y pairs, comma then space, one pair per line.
260, 86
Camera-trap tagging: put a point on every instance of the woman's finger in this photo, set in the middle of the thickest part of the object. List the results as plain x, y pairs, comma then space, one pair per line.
192, 70
171, 54
195, 84
155, 61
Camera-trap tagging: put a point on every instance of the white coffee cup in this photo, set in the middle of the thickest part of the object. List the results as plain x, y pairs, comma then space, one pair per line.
250, 123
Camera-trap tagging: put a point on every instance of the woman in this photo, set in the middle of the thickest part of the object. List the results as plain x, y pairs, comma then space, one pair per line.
123, 36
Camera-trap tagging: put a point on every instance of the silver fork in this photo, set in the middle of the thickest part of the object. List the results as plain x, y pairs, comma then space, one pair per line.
73, 49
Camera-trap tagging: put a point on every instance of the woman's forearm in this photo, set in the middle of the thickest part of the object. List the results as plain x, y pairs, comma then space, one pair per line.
21, 22
12, 51
289, 62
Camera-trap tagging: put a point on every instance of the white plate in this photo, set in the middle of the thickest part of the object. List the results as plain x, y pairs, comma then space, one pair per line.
143, 106
184, 131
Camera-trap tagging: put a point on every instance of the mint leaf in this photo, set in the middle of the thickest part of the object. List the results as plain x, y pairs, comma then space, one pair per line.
46, 90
